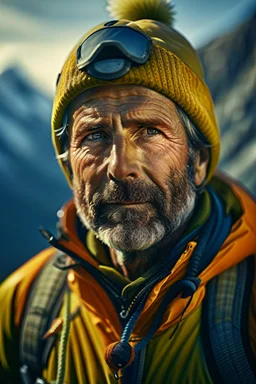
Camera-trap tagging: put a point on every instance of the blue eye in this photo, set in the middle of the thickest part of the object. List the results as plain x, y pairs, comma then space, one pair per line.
152, 132
95, 136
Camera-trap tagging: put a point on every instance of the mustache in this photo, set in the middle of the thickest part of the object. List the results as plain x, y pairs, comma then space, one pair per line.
121, 192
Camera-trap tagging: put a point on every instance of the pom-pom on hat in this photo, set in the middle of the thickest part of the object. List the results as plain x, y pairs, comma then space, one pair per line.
173, 69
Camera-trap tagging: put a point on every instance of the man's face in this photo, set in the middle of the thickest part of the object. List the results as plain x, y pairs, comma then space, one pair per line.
129, 157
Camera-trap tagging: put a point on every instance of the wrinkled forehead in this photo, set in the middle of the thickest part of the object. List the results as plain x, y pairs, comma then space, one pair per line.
115, 97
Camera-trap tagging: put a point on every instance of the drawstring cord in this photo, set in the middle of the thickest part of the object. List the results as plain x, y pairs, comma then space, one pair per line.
121, 354
63, 342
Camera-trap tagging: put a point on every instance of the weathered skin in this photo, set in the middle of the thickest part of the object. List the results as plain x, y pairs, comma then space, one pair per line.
130, 134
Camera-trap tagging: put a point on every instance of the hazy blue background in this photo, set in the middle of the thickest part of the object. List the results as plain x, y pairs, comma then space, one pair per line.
35, 38
39, 34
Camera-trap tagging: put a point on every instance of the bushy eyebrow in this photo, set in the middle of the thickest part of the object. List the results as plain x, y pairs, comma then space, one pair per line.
145, 121
152, 122
91, 123
153, 117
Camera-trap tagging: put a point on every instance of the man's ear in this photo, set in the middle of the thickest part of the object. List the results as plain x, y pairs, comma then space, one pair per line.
200, 166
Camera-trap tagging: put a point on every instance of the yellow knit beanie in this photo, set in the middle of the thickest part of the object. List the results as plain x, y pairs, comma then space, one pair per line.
173, 69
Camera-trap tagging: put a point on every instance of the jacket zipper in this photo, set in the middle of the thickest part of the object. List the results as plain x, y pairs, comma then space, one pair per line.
119, 302
146, 290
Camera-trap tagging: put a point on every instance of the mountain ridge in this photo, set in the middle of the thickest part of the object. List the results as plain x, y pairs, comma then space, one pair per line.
230, 72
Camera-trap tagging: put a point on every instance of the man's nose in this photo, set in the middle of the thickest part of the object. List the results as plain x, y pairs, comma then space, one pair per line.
123, 162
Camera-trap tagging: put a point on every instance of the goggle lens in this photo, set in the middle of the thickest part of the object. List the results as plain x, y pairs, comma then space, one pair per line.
133, 44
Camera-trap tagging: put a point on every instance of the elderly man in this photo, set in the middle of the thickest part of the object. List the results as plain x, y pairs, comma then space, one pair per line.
151, 278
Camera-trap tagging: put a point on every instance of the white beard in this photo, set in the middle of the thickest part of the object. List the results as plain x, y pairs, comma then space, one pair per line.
126, 237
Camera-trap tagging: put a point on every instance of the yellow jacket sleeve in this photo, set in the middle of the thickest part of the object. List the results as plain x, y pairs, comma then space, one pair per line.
13, 294
9, 365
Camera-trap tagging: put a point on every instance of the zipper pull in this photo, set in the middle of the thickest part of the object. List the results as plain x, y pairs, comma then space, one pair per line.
124, 308
124, 313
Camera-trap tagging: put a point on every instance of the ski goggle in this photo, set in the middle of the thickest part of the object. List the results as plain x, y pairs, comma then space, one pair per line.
109, 52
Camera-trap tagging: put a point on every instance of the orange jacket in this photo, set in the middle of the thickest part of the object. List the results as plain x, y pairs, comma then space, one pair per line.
100, 320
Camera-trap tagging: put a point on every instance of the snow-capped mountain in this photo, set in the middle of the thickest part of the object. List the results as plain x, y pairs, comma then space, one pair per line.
32, 185
230, 69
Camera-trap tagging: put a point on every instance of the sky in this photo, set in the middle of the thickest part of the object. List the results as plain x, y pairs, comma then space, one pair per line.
37, 35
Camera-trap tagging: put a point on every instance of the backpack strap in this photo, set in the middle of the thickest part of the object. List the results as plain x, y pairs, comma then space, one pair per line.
225, 326
43, 305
